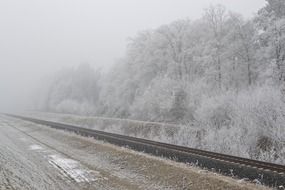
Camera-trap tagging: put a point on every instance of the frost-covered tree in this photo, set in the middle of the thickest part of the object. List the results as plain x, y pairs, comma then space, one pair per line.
216, 16
271, 25
240, 51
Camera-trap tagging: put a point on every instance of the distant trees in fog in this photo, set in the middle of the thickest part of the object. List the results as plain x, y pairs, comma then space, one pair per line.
71, 91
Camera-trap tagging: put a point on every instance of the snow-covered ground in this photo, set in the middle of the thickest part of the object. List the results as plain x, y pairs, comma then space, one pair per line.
37, 157
25, 165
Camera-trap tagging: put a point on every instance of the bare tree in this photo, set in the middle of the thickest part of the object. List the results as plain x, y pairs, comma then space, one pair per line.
216, 15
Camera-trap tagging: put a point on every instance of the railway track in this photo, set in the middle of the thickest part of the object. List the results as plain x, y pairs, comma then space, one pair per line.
267, 173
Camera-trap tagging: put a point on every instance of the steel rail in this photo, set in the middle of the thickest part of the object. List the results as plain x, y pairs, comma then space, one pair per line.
267, 173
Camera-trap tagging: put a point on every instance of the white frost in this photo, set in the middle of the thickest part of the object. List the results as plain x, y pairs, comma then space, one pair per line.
71, 168
35, 147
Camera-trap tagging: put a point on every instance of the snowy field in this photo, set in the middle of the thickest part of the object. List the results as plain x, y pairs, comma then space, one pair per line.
37, 157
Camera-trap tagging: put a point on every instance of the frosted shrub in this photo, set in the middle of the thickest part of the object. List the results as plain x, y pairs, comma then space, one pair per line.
266, 110
155, 103
215, 112
250, 124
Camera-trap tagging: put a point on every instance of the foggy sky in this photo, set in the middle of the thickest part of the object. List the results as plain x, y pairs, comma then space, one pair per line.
38, 37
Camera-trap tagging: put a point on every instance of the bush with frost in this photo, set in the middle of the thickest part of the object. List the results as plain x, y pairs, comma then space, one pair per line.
249, 124
156, 101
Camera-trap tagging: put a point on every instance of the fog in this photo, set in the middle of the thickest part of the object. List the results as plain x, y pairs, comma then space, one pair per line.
40, 37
